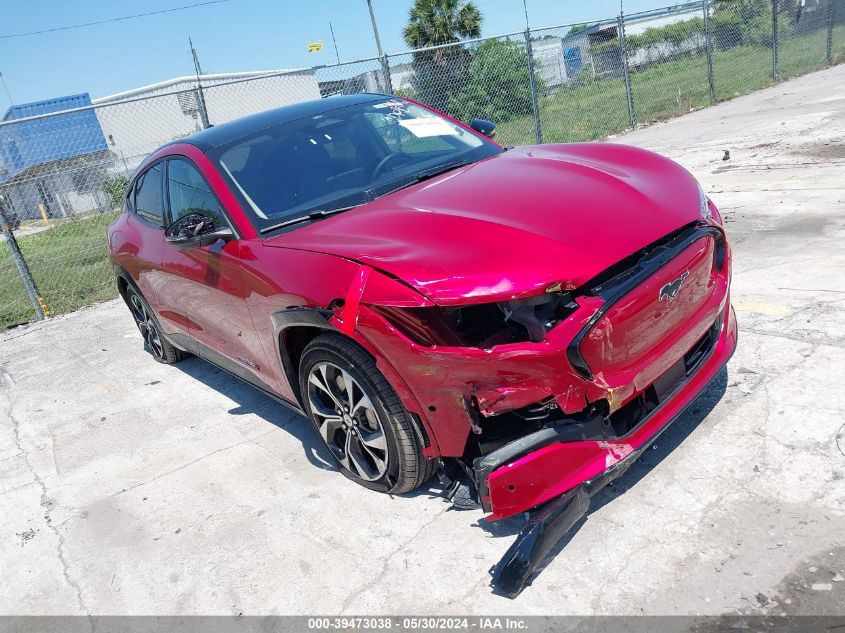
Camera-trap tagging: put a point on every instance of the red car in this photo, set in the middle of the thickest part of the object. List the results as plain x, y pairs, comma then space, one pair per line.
523, 321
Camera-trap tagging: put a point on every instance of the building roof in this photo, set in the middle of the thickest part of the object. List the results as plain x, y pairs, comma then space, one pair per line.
233, 130
47, 106
44, 140
191, 80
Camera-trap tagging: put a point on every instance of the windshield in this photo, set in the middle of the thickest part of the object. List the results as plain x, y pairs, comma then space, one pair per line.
342, 158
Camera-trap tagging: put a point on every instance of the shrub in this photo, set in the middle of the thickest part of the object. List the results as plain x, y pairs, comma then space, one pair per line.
498, 86
115, 187
586, 76
743, 23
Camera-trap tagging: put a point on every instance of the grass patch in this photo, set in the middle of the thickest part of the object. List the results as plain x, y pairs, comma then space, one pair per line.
70, 265
597, 109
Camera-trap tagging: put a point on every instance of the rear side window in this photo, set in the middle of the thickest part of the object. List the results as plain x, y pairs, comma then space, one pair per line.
149, 201
188, 192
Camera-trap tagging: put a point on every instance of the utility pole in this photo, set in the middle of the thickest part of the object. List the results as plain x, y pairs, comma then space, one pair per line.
200, 95
6, 88
385, 69
334, 41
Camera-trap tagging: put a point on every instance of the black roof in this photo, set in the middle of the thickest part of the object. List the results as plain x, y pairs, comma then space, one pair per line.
233, 130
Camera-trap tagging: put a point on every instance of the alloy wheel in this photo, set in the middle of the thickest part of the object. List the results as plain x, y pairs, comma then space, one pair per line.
146, 325
347, 421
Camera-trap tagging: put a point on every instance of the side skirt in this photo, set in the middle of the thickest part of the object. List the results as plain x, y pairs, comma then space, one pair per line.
230, 367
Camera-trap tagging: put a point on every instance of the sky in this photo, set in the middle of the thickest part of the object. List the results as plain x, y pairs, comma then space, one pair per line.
230, 36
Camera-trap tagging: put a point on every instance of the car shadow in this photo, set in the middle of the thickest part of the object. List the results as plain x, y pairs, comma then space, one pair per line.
251, 400
671, 438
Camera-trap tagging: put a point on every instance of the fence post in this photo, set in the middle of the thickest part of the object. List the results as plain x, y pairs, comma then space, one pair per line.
629, 92
201, 106
385, 71
774, 40
830, 10
532, 80
23, 270
708, 41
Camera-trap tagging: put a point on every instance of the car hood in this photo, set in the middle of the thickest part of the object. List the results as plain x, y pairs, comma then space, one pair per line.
510, 225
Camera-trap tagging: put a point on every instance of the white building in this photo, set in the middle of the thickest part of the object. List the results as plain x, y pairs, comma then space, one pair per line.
138, 121
549, 62
401, 78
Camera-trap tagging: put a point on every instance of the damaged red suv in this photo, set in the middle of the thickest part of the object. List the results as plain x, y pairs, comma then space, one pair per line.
523, 321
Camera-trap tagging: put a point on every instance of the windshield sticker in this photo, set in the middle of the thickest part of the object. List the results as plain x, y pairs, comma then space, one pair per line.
397, 110
422, 128
394, 103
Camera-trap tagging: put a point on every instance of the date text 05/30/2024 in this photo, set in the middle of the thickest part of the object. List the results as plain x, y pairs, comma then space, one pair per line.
416, 623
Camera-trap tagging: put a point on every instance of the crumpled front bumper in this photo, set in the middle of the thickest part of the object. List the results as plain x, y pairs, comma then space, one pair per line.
561, 477
539, 468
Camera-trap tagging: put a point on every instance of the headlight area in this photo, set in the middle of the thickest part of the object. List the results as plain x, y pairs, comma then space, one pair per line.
709, 212
482, 325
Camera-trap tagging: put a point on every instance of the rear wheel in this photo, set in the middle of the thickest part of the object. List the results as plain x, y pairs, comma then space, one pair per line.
360, 418
154, 341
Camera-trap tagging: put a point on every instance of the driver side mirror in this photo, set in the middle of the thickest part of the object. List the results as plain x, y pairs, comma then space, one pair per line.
196, 230
483, 126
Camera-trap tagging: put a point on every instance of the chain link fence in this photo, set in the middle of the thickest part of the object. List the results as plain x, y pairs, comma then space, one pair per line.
65, 163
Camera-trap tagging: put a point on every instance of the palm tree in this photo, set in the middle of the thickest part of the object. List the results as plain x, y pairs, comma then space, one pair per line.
443, 71
433, 22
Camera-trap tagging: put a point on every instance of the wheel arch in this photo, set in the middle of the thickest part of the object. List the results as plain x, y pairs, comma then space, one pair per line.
124, 280
296, 327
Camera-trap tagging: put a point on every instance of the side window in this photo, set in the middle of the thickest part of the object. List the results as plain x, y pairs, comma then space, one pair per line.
188, 192
149, 202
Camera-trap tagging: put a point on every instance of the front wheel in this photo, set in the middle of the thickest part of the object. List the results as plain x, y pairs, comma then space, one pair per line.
360, 418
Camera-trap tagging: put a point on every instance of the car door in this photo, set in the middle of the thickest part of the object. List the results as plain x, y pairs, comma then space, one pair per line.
205, 283
140, 253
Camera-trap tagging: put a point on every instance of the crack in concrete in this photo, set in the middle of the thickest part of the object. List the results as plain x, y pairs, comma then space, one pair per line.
386, 563
194, 461
44, 499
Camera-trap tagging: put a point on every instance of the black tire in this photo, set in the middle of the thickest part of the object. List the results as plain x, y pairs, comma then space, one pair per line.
406, 468
154, 341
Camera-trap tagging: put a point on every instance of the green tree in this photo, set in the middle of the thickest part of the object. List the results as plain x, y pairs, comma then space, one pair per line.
742, 23
498, 87
441, 72
435, 22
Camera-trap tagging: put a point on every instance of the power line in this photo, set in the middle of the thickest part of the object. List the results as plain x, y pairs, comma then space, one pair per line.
124, 17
